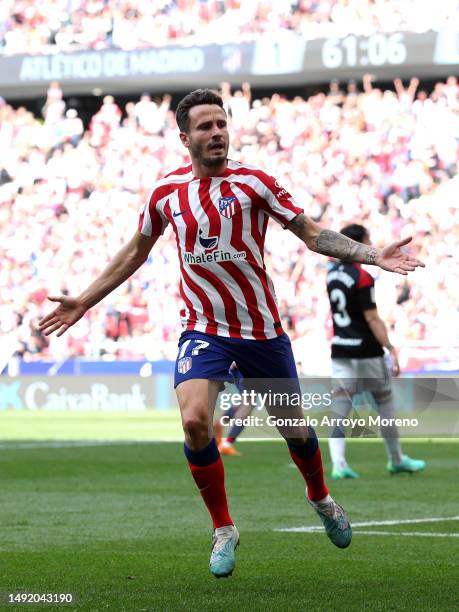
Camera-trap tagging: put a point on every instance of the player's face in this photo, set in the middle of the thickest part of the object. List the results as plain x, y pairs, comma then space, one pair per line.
207, 138
366, 240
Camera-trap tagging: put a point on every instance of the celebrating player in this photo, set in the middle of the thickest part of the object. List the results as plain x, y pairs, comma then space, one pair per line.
358, 364
219, 210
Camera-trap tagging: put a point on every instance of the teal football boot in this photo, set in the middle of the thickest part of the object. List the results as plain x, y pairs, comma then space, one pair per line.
408, 465
345, 472
335, 521
222, 558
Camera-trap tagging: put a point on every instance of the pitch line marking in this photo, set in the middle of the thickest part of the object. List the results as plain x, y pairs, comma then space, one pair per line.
424, 534
78, 443
314, 528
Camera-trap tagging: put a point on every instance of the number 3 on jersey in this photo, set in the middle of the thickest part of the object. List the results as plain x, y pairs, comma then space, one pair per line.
340, 314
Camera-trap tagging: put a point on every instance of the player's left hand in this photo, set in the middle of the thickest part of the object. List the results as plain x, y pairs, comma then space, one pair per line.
393, 259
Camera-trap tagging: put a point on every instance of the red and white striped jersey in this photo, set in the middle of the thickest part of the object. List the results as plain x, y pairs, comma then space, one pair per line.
220, 225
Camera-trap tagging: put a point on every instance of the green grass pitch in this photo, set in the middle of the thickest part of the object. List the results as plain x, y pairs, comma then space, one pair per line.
122, 527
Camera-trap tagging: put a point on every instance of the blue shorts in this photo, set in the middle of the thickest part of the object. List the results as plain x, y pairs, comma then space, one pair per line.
207, 356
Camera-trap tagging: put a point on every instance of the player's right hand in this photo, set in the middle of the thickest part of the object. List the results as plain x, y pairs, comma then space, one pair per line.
68, 312
395, 367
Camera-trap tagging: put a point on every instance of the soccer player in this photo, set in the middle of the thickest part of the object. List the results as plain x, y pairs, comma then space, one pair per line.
358, 363
219, 210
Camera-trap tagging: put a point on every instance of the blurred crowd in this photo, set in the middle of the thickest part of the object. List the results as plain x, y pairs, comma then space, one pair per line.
70, 197
27, 26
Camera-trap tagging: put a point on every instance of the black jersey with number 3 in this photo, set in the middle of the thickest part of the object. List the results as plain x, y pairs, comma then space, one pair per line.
351, 292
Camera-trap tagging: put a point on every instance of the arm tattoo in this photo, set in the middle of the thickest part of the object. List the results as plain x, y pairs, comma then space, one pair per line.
337, 245
332, 243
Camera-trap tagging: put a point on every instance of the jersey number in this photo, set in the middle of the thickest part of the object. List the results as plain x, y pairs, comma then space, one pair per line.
199, 345
341, 318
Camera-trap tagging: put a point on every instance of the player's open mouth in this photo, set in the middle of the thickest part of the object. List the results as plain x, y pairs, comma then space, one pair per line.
217, 147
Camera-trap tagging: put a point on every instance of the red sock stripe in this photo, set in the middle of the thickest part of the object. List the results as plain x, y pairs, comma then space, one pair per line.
210, 480
313, 473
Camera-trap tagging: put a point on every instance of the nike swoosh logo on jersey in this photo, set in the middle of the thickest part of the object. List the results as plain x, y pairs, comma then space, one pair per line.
177, 214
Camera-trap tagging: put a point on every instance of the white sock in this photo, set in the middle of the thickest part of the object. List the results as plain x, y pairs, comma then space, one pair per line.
337, 450
390, 433
394, 451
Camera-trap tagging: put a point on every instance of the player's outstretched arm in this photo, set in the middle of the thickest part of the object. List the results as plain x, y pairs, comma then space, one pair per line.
70, 310
334, 244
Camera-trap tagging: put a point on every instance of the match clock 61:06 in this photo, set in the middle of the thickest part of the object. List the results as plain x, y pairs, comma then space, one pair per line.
375, 50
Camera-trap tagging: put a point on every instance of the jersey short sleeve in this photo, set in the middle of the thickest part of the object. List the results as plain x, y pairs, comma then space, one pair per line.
278, 202
366, 290
152, 220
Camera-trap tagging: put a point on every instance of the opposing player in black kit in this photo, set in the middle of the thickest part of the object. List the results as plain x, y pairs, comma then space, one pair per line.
358, 363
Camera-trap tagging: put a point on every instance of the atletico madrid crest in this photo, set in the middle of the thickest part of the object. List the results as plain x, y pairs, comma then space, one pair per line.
184, 365
228, 206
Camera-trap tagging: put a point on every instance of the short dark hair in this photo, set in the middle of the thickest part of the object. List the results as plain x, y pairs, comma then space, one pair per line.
195, 98
355, 231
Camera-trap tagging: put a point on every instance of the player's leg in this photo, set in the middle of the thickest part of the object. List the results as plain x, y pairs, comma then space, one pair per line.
272, 363
306, 455
343, 390
230, 413
342, 405
269, 368
201, 357
383, 396
196, 399
226, 446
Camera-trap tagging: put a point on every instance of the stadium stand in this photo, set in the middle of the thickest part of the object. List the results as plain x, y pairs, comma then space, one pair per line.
59, 25
69, 196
